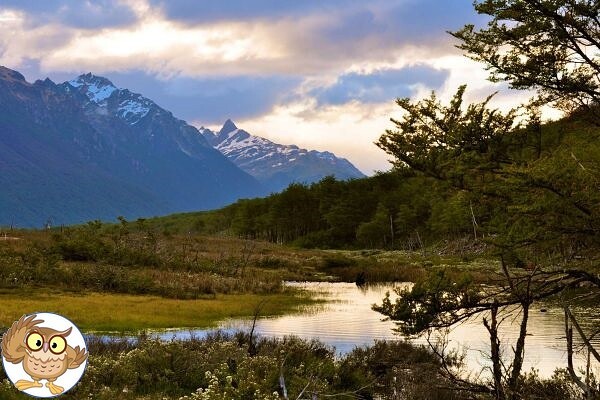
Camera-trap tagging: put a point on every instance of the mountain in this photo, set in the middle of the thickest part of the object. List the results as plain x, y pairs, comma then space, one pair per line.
85, 149
277, 165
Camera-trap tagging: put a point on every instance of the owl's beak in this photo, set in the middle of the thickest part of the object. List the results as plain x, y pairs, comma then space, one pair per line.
46, 347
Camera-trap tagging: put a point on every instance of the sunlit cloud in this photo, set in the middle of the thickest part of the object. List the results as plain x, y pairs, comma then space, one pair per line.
350, 126
322, 75
361, 36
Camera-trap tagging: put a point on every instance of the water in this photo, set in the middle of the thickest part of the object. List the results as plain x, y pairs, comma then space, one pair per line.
346, 321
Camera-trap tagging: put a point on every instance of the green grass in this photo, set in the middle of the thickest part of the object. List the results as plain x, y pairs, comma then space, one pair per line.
130, 313
403, 266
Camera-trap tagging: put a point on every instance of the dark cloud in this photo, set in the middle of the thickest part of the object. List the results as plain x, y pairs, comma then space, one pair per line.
210, 100
399, 20
76, 13
386, 26
353, 26
430, 18
210, 10
380, 86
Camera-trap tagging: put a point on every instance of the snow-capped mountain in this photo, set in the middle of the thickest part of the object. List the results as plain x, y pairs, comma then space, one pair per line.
277, 165
85, 149
130, 107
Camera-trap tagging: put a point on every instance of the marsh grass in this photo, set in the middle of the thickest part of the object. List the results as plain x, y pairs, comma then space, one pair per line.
132, 260
138, 263
129, 313
400, 266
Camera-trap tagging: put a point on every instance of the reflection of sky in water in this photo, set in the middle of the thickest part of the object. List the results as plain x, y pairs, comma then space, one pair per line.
347, 321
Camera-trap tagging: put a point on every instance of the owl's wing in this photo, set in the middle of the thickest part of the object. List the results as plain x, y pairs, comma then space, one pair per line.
12, 340
76, 356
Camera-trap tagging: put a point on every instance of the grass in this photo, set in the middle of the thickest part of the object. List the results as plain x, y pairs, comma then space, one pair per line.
402, 266
214, 264
129, 313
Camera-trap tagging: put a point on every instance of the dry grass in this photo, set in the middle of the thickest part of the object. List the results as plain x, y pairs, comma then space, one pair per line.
115, 312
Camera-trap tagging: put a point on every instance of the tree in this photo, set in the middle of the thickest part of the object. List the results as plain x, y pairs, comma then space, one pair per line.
542, 212
552, 46
443, 141
378, 231
451, 216
538, 183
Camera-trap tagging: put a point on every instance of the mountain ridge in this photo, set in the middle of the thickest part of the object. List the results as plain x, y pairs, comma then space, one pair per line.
85, 149
69, 155
277, 165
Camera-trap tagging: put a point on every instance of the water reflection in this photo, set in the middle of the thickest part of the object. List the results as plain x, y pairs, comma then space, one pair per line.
346, 321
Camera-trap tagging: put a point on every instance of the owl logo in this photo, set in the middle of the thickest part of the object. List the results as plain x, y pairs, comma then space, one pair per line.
34, 351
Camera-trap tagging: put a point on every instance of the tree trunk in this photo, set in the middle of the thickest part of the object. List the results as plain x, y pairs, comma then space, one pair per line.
492, 328
513, 382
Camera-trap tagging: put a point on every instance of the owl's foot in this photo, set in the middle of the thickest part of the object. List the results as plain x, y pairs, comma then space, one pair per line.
54, 389
24, 385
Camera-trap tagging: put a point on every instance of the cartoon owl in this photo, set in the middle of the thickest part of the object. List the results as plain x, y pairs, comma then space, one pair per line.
44, 352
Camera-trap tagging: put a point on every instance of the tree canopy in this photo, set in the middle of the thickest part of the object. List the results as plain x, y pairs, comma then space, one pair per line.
552, 46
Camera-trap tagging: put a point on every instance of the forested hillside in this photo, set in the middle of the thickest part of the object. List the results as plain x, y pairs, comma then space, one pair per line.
408, 208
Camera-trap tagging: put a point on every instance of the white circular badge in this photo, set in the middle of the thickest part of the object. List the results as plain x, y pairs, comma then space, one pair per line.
44, 354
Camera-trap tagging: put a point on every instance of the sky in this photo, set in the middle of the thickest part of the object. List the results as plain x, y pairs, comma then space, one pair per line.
321, 74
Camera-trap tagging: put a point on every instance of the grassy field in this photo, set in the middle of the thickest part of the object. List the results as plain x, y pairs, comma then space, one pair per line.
130, 313
125, 278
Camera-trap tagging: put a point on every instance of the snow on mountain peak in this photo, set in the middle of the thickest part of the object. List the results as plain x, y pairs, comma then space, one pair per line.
274, 164
131, 107
134, 107
97, 88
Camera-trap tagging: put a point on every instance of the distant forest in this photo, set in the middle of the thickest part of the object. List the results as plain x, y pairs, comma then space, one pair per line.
406, 208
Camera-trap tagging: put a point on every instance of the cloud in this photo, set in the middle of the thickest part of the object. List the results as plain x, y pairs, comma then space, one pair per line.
235, 10
320, 74
161, 46
74, 13
233, 38
211, 100
425, 20
349, 130
379, 86
22, 43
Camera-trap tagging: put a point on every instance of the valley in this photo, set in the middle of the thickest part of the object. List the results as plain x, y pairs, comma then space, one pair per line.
204, 261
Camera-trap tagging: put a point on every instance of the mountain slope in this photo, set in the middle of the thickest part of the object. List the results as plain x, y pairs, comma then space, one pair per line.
85, 149
276, 165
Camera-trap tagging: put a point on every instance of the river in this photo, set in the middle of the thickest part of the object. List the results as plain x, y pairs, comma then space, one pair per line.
346, 320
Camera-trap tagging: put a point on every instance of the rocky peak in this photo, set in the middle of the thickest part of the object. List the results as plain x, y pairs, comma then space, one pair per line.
227, 128
10, 75
96, 88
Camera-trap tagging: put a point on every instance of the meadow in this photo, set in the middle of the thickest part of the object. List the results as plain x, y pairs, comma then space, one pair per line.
132, 276
107, 312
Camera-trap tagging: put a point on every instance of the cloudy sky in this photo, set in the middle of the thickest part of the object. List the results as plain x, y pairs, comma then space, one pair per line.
322, 74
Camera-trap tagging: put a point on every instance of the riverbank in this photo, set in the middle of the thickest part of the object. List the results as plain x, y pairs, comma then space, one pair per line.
130, 277
239, 367
404, 266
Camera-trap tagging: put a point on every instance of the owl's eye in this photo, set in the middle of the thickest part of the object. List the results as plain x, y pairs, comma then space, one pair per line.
34, 341
57, 344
